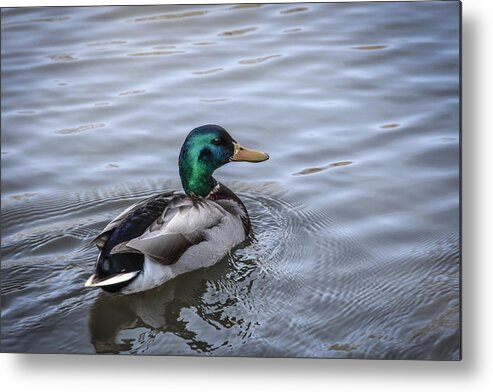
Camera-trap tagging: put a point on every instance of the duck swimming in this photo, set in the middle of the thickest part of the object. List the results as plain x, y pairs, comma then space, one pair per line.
175, 232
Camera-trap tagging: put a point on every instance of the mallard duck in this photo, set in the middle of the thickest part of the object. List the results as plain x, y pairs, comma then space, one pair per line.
175, 232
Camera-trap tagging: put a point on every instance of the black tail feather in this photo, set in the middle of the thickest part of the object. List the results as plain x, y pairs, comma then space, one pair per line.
118, 263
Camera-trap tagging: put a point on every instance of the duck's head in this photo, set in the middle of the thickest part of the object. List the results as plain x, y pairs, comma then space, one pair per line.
205, 149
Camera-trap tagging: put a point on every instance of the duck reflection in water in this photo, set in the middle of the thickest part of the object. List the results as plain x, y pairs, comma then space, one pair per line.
161, 311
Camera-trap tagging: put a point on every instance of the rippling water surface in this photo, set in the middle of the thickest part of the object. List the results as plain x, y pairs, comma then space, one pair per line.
355, 244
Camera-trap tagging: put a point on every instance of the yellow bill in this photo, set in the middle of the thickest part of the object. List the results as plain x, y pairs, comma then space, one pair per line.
243, 154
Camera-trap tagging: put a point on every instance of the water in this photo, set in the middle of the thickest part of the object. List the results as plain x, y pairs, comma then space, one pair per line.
355, 245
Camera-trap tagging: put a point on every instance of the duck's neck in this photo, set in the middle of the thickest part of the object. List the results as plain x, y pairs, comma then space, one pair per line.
196, 178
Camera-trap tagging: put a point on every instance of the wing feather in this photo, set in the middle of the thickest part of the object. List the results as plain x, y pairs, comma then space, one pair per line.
184, 224
105, 234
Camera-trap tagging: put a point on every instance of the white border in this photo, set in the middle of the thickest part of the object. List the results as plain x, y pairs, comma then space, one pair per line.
116, 373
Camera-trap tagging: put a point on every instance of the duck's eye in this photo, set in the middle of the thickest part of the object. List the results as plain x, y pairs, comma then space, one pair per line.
216, 141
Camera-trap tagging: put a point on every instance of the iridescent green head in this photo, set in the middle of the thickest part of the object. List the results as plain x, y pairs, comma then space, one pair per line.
205, 149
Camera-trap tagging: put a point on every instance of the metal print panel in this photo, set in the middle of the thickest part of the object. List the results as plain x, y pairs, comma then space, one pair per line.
134, 221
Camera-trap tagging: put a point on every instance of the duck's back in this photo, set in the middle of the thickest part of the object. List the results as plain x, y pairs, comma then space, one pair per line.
168, 234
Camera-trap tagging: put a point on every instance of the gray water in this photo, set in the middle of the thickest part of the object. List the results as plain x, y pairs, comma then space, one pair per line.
355, 244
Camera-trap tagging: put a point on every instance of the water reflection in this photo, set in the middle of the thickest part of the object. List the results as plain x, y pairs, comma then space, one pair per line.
294, 30
245, 6
169, 16
106, 43
293, 10
206, 43
169, 309
131, 92
369, 47
237, 32
311, 170
157, 53
77, 130
259, 59
389, 126
62, 57
213, 100
207, 71
36, 20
